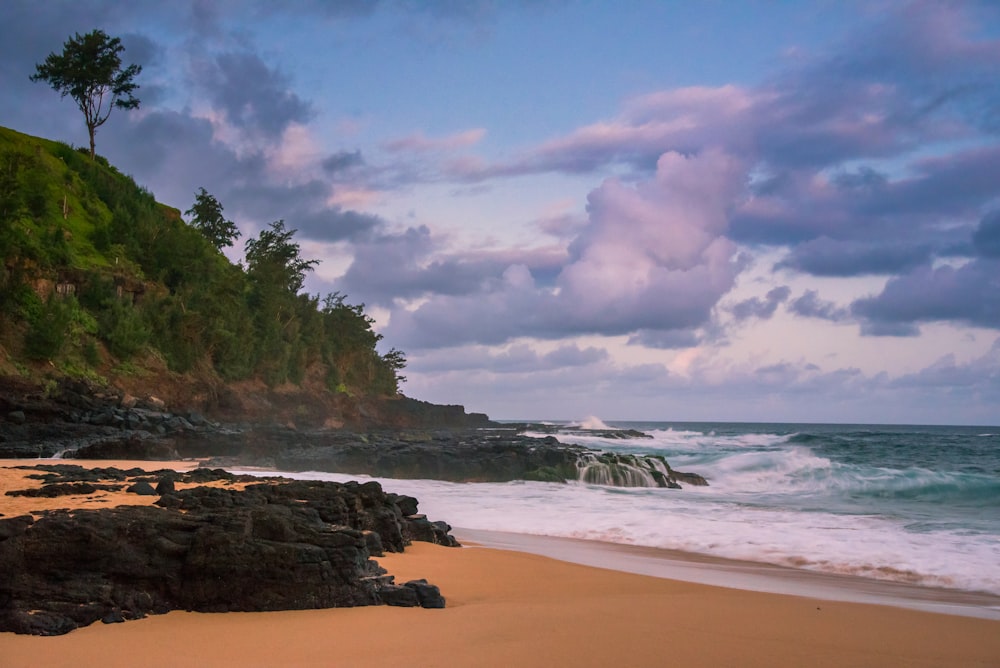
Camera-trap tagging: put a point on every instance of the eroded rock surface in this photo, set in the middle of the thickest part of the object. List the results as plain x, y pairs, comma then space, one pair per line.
275, 545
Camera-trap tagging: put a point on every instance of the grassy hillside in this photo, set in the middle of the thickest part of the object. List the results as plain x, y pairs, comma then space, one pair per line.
100, 281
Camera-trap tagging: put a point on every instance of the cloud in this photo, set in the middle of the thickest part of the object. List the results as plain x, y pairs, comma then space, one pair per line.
515, 358
968, 294
253, 96
828, 257
761, 308
420, 144
652, 256
342, 161
415, 264
665, 340
809, 305
980, 374
889, 135
986, 238
682, 121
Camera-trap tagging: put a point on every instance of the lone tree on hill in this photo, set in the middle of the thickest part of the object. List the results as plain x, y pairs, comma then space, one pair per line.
206, 216
90, 71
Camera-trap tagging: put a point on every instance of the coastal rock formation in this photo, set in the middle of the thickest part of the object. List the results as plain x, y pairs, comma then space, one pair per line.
468, 456
275, 545
448, 445
70, 416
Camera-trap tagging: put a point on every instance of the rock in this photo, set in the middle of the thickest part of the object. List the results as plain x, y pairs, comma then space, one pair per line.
399, 596
165, 485
134, 445
64, 489
154, 403
142, 488
113, 617
197, 419
689, 478
428, 595
15, 526
17, 417
277, 545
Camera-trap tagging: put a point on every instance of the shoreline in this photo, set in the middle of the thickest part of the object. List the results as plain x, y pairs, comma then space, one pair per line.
663, 563
512, 607
748, 576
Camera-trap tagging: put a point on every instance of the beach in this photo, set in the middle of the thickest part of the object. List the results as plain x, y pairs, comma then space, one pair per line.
513, 608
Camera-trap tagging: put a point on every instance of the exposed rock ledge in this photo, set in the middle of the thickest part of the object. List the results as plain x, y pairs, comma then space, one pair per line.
275, 545
425, 441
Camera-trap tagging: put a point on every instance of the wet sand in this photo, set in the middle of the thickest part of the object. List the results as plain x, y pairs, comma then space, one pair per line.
512, 608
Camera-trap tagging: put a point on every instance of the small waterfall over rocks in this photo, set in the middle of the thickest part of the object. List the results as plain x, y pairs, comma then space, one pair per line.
622, 470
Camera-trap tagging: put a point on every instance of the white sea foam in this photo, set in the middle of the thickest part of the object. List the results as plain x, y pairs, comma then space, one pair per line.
839, 501
591, 422
693, 521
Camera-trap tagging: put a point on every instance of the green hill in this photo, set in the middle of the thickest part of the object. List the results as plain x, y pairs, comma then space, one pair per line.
101, 282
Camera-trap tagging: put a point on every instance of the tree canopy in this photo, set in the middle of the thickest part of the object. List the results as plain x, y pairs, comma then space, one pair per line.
138, 285
206, 217
89, 70
273, 253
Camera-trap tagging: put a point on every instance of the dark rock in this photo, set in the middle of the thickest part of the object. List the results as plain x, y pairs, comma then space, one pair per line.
277, 545
53, 490
15, 526
142, 488
399, 596
689, 478
17, 417
197, 419
129, 445
428, 595
406, 504
165, 485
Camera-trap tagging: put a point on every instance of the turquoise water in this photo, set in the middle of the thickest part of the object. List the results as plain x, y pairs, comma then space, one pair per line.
910, 504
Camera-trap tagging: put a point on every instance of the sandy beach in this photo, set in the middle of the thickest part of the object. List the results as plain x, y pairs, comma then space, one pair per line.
508, 608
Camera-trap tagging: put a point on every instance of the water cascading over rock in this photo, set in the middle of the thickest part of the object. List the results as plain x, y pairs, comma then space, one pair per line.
622, 470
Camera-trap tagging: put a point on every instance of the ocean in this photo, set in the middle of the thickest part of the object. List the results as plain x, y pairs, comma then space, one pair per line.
912, 504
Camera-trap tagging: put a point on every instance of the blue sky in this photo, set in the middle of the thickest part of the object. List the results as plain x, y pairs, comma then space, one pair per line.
648, 210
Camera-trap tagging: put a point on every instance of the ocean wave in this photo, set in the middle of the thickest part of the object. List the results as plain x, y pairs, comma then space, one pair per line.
718, 521
934, 487
591, 422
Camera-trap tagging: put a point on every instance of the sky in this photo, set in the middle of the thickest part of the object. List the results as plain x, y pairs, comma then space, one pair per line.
723, 210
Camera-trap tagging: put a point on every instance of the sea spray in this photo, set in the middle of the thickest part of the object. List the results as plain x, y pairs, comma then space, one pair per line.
913, 504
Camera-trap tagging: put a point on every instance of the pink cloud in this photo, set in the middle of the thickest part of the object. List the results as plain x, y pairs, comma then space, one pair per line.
420, 143
651, 256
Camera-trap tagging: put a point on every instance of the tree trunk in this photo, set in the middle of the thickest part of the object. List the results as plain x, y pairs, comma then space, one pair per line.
91, 130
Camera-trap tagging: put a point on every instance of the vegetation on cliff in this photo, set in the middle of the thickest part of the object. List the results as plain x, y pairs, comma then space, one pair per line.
97, 277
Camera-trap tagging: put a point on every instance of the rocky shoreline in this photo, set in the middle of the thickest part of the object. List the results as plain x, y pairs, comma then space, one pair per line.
75, 423
248, 545
244, 543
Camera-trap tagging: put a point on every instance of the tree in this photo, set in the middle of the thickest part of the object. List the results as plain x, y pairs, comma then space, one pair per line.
396, 360
273, 257
206, 216
90, 71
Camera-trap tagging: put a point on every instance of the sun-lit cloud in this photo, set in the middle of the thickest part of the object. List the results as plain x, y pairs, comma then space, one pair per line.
420, 143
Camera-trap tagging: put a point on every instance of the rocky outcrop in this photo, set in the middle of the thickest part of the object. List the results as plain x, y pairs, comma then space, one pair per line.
455, 455
74, 419
451, 445
275, 545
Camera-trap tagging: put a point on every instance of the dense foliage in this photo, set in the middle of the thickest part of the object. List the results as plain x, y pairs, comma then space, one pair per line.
96, 272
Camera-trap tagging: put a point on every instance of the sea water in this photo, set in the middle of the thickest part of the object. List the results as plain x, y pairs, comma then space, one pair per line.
910, 504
